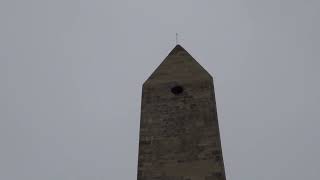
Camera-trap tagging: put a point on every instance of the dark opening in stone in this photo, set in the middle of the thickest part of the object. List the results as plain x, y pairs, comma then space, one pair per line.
177, 90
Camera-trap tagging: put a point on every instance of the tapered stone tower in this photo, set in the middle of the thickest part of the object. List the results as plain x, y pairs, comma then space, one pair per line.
179, 132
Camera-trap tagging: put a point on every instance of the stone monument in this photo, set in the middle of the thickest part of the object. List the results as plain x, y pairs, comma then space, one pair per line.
179, 131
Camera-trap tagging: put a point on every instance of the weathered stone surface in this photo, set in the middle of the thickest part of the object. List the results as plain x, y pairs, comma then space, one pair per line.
179, 132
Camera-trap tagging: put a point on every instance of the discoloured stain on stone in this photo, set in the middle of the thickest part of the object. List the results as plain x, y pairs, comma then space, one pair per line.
179, 132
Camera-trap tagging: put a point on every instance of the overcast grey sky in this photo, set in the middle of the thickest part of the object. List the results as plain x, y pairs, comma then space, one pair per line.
71, 73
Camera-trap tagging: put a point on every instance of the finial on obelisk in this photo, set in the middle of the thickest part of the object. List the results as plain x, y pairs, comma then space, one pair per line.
177, 36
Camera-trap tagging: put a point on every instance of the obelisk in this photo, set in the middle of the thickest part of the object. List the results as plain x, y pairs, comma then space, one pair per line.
179, 131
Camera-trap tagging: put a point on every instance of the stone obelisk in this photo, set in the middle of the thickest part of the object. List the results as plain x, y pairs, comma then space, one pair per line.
179, 131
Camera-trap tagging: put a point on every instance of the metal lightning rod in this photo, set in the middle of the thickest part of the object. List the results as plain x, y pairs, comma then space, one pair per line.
177, 36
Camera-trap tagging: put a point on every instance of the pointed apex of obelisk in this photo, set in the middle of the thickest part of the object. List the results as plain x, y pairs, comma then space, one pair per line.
177, 49
179, 65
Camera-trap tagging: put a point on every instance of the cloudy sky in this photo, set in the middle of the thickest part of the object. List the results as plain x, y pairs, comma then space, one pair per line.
71, 73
